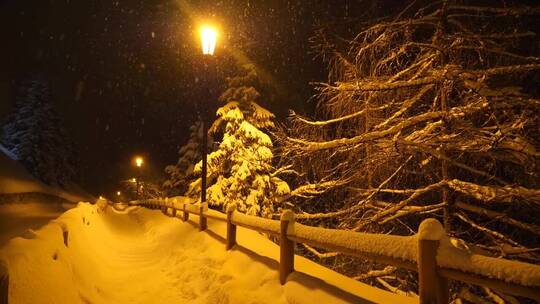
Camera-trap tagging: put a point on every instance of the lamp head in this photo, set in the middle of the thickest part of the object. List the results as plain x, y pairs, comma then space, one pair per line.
138, 161
208, 39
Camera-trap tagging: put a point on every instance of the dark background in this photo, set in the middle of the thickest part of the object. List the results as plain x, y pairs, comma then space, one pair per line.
126, 75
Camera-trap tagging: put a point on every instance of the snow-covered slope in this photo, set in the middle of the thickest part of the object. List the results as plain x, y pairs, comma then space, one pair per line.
15, 179
20, 219
93, 255
7, 153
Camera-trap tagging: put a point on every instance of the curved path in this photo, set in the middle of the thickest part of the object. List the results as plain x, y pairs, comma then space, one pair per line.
93, 255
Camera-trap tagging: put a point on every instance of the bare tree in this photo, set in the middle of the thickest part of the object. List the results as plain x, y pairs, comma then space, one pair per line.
427, 114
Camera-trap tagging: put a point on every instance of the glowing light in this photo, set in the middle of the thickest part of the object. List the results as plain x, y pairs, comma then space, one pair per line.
208, 39
118, 193
133, 180
138, 161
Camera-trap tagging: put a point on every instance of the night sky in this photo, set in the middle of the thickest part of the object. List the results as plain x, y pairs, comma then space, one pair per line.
126, 75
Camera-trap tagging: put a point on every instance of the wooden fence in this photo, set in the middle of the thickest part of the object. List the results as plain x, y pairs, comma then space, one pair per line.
429, 252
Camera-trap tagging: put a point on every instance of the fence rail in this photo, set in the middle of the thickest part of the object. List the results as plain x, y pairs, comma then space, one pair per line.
429, 252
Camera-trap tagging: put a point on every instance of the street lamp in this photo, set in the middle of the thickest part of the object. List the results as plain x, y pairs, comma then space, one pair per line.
208, 42
208, 39
138, 162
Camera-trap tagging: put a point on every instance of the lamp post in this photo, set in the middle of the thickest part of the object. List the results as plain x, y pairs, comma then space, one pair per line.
208, 43
138, 162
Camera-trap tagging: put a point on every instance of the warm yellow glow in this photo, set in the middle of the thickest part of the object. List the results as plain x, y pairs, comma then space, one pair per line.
208, 39
118, 193
138, 161
133, 180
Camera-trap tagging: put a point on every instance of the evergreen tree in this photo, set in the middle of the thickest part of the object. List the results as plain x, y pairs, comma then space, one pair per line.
240, 172
181, 174
33, 133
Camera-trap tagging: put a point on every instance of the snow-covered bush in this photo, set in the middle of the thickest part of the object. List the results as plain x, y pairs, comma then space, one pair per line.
240, 171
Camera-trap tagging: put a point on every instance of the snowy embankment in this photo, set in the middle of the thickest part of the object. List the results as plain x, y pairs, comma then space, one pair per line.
25, 202
22, 219
94, 255
14, 179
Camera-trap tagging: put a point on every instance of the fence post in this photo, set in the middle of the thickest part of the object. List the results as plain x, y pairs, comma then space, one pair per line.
231, 228
433, 287
286, 246
202, 219
186, 214
164, 206
173, 207
4, 283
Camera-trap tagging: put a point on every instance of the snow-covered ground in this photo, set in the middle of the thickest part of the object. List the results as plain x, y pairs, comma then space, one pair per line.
93, 255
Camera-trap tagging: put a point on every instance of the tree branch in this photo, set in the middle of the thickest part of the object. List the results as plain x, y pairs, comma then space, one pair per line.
499, 216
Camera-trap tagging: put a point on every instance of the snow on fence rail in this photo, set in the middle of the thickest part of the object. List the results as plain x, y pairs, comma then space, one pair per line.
429, 252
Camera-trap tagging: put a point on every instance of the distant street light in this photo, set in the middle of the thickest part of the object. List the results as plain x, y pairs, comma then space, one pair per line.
118, 193
208, 42
138, 162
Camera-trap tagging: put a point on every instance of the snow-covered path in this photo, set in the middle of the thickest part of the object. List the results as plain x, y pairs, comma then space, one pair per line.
141, 256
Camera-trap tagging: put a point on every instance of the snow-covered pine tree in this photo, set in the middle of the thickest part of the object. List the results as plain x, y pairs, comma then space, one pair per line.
181, 174
33, 133
240, 171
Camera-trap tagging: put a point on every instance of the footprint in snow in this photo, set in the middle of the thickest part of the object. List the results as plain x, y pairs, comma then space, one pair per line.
29, 234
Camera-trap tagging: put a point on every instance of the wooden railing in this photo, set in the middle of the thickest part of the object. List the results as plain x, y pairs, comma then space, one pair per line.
429, 252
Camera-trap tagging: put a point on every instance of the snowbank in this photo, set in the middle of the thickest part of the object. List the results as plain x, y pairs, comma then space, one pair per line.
7, 153
401, 250
23, 219
94, 255
506, 270
15, 179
